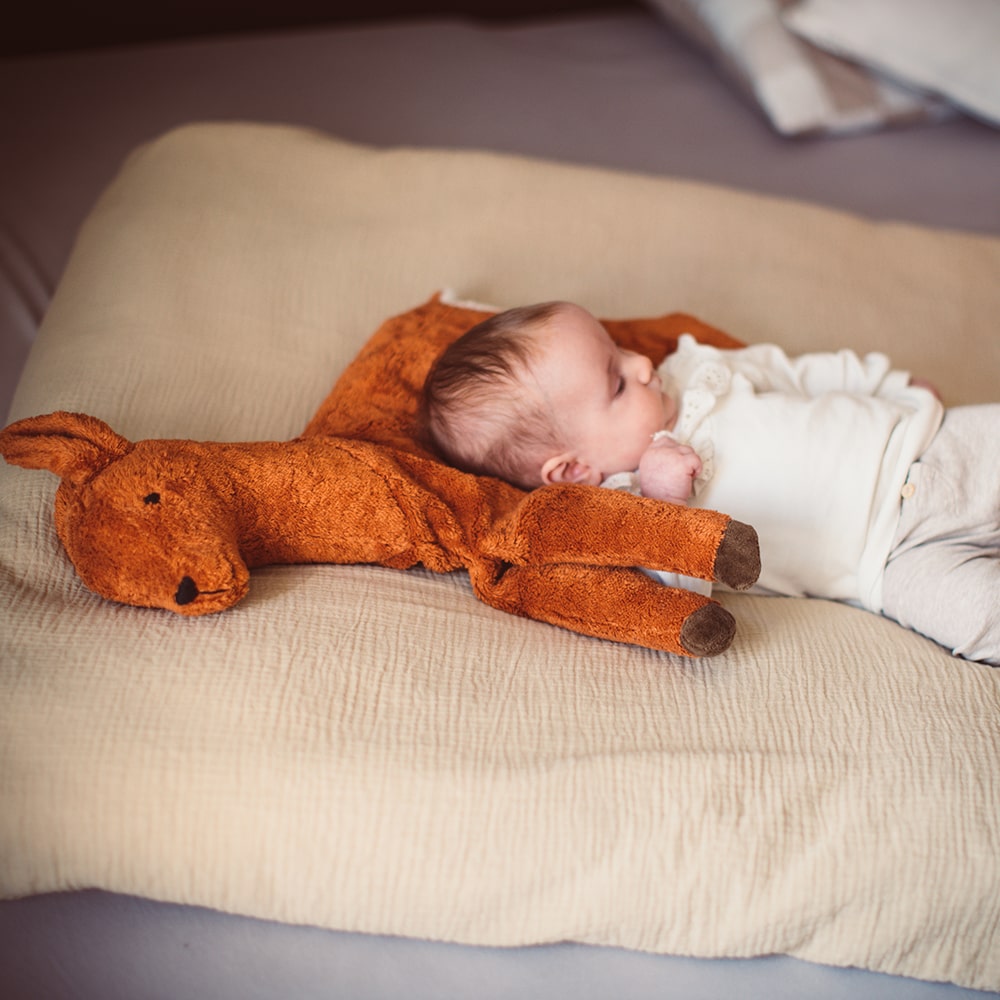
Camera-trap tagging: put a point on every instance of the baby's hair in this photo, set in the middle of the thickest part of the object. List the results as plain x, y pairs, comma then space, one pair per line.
475, 412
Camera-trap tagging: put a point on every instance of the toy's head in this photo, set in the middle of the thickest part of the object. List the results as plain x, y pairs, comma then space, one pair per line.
149, 524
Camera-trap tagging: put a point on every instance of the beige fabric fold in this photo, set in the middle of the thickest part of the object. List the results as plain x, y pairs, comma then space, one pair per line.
375, 751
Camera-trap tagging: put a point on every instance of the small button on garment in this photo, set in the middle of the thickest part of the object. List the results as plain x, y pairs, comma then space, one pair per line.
907, 491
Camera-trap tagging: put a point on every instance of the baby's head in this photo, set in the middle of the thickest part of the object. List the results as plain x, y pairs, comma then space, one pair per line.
541, 394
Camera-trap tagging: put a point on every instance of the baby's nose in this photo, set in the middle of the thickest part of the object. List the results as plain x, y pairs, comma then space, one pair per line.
645, 368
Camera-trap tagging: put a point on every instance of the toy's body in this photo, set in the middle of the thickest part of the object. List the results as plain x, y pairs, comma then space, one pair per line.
179, 524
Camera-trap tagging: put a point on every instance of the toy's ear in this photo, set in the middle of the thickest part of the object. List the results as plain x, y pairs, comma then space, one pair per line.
72, 445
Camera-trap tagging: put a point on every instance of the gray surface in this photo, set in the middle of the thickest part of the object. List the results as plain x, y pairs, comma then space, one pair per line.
95, 945
614, 91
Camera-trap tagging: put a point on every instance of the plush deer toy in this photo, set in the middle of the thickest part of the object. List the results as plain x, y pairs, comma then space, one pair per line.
179, 524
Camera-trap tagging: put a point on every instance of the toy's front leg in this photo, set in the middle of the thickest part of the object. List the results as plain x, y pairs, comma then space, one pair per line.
609, 603
593, 526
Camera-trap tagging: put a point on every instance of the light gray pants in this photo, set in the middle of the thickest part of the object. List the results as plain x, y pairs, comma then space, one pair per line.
943, 575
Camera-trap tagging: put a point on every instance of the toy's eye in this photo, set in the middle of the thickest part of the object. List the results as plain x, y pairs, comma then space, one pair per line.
151, 498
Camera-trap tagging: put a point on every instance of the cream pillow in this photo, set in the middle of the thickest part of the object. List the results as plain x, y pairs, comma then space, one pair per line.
374, 750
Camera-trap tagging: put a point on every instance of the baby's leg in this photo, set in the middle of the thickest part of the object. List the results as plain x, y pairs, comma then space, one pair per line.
951, 594
943, 577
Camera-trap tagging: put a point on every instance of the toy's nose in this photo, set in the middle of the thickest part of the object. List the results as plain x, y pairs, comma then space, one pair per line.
186, 592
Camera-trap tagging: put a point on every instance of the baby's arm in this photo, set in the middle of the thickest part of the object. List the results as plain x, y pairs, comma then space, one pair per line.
667, 470
770, 369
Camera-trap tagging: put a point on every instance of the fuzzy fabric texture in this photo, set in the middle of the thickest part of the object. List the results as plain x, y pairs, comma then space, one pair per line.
179, 524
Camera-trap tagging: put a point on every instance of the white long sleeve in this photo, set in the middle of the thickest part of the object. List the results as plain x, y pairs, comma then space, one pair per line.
769, 369
812, 451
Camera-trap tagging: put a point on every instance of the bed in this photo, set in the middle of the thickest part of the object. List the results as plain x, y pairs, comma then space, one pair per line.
364, 783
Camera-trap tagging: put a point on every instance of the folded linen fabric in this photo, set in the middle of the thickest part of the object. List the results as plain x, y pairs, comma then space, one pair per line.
801, 88
949, 50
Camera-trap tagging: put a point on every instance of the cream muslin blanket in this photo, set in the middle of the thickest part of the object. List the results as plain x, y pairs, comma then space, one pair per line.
373, 750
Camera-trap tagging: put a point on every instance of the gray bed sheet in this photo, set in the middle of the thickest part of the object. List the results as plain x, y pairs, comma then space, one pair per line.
616, 90
106, 947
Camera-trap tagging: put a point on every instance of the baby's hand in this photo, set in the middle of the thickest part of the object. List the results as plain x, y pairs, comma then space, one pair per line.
667, 470
923, 383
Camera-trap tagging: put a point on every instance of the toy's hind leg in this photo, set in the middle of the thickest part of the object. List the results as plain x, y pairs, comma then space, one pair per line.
610, 603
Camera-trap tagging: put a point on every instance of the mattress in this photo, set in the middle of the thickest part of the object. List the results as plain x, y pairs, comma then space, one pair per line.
107, 942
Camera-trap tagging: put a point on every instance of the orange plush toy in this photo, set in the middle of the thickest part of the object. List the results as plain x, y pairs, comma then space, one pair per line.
179, 524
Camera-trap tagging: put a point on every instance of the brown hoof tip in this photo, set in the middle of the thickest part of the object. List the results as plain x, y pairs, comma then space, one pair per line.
708, 631
737, 562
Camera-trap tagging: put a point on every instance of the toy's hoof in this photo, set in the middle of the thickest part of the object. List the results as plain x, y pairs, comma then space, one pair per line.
737, 562
708, 631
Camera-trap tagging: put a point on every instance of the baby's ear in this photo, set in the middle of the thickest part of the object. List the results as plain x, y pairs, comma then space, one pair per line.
567, 468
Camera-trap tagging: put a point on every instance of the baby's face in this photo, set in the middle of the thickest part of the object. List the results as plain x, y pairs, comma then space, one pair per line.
608, 401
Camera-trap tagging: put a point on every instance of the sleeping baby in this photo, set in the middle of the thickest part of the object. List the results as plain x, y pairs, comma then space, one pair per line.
861, 486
